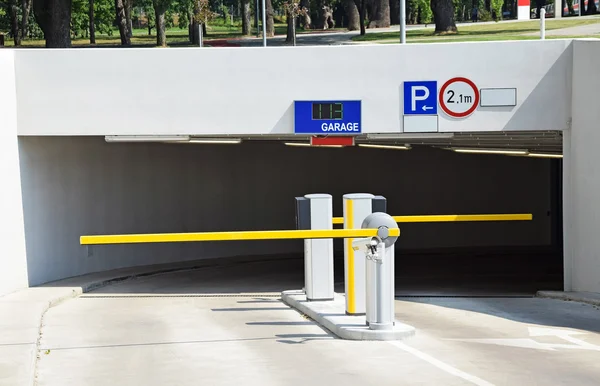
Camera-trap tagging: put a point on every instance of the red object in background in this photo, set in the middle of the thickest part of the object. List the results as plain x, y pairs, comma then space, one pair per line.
332, 141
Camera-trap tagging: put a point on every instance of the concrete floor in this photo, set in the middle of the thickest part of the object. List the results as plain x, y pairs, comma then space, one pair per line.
226, 326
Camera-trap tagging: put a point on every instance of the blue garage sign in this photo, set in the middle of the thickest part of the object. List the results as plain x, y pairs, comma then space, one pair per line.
327, 117
420, 98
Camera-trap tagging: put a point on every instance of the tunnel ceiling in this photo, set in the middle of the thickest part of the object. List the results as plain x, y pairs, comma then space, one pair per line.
542, 141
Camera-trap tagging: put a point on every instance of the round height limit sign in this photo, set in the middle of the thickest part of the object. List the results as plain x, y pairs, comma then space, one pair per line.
459, 97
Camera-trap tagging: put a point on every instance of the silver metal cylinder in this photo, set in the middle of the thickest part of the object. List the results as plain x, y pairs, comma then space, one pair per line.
379, 275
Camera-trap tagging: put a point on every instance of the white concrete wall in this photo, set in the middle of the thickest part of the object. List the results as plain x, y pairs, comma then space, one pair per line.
77, 185
13, 272
582, 174
251, 90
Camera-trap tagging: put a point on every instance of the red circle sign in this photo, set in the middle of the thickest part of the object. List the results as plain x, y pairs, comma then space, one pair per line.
459, 97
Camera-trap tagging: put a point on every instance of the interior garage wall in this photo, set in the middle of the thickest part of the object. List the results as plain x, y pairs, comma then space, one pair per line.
13, 272
582, 174
82, 185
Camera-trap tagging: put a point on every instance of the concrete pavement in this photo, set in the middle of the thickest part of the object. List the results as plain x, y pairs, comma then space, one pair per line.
527, 341
581, 297
226, 325
22, 312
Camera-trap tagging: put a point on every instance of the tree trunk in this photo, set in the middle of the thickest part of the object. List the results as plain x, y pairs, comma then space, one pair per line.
246, 18
195, 24
128, 6
54, 18
381, 14
195, 33
270, 23
191, 27
13, 10
395, 12
360, 4
291, 29
122, 22
443, 16
26, 5
92, 24
161, 35
351, 12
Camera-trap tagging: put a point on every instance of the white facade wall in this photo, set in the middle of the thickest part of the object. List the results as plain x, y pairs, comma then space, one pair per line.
75, 185
252, 90
13, 265
582, 174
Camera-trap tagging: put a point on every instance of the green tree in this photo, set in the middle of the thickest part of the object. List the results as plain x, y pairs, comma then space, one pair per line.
79, 18
425, 13
497, 8
104, 16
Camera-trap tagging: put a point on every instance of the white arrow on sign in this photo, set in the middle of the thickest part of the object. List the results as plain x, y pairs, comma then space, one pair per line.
566, 335
425, 108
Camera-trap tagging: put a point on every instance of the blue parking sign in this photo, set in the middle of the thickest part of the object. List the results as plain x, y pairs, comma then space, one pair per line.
420, 98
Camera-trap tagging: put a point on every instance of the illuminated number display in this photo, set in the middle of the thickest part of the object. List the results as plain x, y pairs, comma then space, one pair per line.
327, 117
327, 111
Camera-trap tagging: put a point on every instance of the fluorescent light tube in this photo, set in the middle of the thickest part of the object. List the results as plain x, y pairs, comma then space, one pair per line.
215, 140
490, 151
308, 144
545, 155
297, 144
146, 138
413, 136
396, 147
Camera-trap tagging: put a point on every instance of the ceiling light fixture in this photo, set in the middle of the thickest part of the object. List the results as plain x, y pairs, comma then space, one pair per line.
216, 140
490, 151
412, 136
304, 144
374, 146
146, 138
545, 155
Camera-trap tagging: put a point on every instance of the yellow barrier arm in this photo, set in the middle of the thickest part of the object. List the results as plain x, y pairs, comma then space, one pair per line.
232, 236
456, 218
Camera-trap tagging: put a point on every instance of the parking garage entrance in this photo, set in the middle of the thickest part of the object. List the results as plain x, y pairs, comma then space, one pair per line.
86, 185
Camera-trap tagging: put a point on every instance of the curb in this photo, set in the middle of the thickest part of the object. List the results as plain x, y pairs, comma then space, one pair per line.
581, 297
331, 315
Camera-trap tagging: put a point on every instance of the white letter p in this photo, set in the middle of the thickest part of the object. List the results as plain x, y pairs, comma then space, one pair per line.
414, 97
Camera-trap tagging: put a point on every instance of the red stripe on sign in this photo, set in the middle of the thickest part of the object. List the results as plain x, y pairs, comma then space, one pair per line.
523, 3
332, 141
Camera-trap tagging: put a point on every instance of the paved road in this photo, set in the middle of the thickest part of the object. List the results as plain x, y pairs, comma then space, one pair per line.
344, 38
580, 30
226, 326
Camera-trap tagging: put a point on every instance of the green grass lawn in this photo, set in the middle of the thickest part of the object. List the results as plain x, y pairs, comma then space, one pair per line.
481, 32
223, 30
175, 36
487, 38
